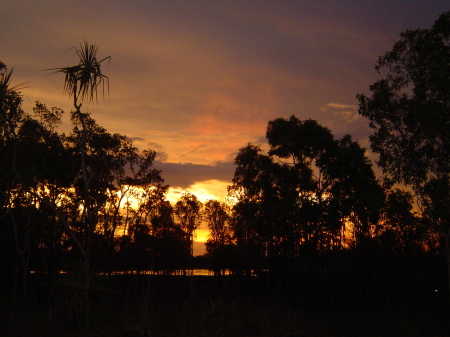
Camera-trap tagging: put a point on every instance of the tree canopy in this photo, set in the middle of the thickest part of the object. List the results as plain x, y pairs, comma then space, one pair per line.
409, 111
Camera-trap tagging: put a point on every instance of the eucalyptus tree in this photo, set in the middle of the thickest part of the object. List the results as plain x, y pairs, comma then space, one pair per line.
305, 146
401, 228
188, 213
247, 192
133, 176
264, 219
171, 252
355, 195
17, 209
153, 214
149, 192
216, 215
11, 116
304, 192
409, 111
337, 183
40, 144
30, 188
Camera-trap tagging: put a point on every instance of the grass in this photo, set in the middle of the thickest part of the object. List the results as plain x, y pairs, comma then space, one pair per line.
142, 306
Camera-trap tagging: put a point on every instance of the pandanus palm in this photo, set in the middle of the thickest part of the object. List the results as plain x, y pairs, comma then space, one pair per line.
10, 102
83, 80
6, 89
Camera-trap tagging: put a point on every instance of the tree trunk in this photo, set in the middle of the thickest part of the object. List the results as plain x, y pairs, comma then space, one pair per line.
447, 257
87, 287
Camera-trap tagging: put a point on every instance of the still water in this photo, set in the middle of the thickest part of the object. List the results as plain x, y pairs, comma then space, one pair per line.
187, 272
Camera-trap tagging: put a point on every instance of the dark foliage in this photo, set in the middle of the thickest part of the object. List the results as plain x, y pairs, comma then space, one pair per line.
84, 216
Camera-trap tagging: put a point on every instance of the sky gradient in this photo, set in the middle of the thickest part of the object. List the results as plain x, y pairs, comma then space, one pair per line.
197, 80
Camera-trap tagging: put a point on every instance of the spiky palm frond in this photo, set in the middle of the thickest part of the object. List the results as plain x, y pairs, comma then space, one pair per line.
82, 80
6, 89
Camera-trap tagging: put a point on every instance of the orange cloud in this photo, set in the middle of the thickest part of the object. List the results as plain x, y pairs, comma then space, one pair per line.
203, 190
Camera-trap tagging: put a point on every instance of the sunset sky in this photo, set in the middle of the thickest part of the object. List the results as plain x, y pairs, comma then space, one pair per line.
197, 80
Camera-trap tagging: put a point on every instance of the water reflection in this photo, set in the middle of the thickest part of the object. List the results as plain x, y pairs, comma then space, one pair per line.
187, 272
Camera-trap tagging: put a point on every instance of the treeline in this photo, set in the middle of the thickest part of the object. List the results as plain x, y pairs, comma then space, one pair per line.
91, 201
312, 193
83, 201
93, 195
88, 194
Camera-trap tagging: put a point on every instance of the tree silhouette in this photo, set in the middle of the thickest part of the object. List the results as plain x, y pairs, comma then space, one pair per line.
305, 144
73, 208
22, 151
355, 195
216, 216
188, 212
409, 110
303, 194
11, 116
83, 79
401, 229
336, 185
81, 82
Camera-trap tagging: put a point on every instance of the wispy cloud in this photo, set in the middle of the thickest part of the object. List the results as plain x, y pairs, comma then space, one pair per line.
342, 106
343, 118
198, 80
196, 148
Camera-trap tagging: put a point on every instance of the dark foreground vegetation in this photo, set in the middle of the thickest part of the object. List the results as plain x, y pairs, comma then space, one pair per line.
338, 295
316, 243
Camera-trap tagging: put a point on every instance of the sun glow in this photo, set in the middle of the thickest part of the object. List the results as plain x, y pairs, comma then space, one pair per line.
201, 235
203, 190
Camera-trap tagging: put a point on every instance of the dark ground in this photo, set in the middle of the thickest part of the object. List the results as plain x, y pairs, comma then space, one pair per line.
138, 306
